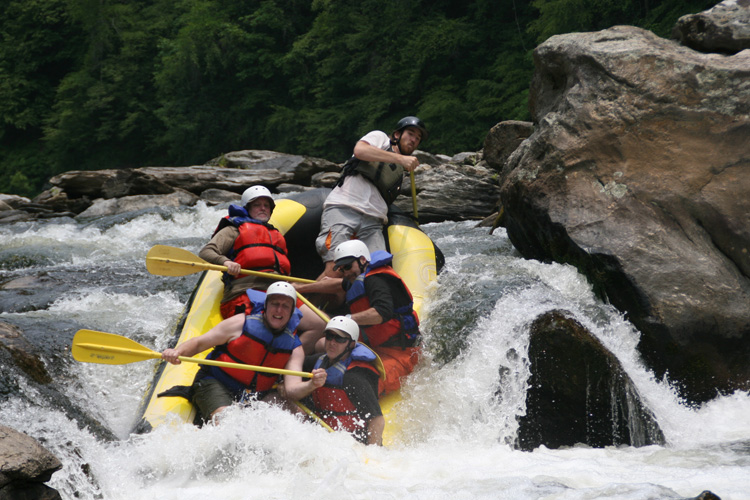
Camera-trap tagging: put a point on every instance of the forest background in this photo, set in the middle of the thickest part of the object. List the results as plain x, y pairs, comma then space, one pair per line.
92, 84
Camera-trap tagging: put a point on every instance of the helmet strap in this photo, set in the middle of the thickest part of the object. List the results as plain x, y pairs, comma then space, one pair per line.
343, 354
397, 141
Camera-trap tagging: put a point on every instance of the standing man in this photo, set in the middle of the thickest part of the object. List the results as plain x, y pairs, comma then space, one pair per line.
244, 239
370, 181
380, 303
344, 388
264, 336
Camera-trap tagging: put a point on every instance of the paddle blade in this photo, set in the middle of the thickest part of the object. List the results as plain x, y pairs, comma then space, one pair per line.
90, 346
163, 260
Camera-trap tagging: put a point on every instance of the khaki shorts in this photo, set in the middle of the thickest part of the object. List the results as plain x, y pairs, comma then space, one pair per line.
340, 224
209, 395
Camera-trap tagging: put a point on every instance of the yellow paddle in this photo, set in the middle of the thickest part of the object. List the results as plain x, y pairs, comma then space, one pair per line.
164, 260
113, 349
90, 346
313, 416
414, 195
309, 413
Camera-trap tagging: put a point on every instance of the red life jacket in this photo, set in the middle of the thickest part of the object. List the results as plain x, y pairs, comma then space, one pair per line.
256, 346
260, 247
405, 322
331, 402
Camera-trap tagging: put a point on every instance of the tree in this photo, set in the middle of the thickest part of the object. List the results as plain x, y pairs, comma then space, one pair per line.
39, 44
116, 83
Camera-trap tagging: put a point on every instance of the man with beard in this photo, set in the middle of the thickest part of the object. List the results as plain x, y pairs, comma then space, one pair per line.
370, 181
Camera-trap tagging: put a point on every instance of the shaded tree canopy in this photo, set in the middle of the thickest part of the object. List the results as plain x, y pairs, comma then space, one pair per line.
89, 84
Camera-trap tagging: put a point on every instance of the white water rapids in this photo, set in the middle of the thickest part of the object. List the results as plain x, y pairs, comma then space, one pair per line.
459, 416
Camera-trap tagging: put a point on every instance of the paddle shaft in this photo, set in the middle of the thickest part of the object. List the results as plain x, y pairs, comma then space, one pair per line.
414, 195
260, 274
309, 413
146, 353
180, 258
215, 267
313, 416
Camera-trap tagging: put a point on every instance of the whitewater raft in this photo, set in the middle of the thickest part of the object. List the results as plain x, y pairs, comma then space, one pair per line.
415, 257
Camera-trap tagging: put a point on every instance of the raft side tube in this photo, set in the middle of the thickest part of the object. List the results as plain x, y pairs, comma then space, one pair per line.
416, 259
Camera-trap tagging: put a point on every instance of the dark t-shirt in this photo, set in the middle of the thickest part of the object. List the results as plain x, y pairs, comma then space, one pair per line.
385, 293
360, 385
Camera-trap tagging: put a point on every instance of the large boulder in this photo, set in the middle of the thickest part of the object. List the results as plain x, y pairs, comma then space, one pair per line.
25, 374
451, 191
72, 192
301, 167
579, 393
724, 28
503, 139
24, 467
108, 184
636, 173
102, 207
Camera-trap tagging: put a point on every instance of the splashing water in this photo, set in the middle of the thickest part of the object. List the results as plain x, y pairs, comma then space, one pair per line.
459, 410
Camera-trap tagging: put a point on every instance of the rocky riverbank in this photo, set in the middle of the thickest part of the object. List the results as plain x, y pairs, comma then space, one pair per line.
457, 188
632, 171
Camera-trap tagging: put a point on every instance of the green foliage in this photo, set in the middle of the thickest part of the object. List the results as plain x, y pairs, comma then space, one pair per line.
568, 16
219, 78
39, 45
103, 114
20, 184
90, 84
662, 17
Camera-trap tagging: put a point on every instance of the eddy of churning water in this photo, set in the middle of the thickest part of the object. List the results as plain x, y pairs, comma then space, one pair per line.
459, 408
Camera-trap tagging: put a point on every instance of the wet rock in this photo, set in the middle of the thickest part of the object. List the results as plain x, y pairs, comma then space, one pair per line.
635, 174
25, 466
444, 185
219, 196
579, 393
13, 200
431, 159
451, 191
325, 179
295, 188
102, 207
197, 179
22, 353
706, 495
107, 184
29, 292
24, 366
57, 199
300, 167
10, 216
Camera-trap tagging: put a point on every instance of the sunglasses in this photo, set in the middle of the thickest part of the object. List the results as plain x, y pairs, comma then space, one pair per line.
348, 266
337, 338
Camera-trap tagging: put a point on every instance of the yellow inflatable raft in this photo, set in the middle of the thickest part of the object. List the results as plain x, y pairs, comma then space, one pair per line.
415, 258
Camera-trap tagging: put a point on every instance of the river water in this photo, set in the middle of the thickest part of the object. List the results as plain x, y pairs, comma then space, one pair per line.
459, 414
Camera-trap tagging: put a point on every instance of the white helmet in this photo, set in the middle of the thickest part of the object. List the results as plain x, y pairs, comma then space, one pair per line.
254, 192
281, 288
349, 251
346, 325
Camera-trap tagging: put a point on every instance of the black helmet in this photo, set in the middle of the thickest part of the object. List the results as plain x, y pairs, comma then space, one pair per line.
412, 121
